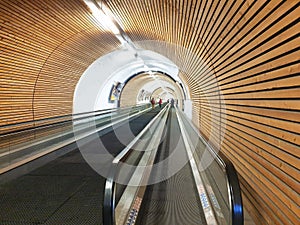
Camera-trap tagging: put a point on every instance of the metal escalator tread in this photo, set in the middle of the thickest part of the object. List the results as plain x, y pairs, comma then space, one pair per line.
173, 201
116, 141
64, 191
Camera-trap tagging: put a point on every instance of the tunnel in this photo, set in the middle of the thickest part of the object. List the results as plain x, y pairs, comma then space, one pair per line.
232, 66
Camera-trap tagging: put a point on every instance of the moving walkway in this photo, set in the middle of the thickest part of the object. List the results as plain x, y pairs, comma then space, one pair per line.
171, 184
60, 187
154, 177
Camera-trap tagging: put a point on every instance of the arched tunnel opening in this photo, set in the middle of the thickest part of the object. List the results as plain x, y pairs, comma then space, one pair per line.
141, 88
233, 66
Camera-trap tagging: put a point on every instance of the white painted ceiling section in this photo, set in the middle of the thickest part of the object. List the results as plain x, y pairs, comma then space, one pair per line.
93, 89
158, 83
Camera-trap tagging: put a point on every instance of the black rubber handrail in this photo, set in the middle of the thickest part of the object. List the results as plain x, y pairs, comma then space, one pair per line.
99, 112
236, 202
109, 201
49, 124
50, 118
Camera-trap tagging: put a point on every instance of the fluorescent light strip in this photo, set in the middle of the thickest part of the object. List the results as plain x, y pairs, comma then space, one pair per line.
101, 17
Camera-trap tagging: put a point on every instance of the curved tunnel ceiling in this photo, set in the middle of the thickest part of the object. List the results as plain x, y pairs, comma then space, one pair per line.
239, 60
94, 88
150, 85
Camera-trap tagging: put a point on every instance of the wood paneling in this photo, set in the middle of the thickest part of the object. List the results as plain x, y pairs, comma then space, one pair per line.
45, 47
240, 60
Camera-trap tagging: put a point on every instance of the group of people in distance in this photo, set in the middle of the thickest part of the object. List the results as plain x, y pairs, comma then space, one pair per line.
152, 101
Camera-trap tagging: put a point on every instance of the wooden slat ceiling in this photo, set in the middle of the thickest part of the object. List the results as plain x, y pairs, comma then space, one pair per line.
133, 87
45, 47
240, 60
246, 53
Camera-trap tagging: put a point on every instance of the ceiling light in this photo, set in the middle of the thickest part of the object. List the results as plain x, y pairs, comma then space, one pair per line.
101, 17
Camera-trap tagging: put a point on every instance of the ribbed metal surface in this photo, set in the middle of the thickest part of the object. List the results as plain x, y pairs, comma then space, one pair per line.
173, 201
65, 191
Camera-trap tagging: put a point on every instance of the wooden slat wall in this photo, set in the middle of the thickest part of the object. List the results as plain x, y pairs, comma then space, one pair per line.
241, 63
45, 46
239, 58
131, 90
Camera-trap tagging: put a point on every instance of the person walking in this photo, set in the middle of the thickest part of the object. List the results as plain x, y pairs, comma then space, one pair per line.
160, 102
172, 103
152, 103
